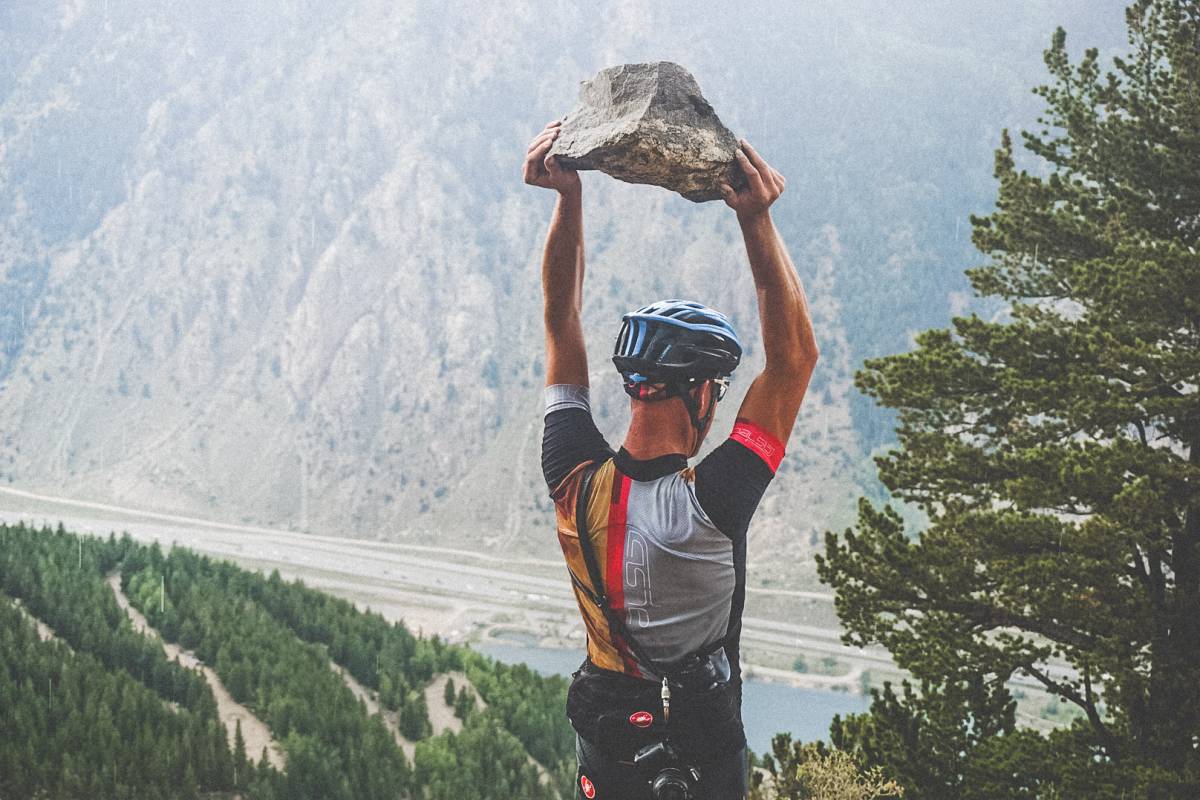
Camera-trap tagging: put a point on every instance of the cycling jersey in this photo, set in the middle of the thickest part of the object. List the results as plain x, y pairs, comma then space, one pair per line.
670, 540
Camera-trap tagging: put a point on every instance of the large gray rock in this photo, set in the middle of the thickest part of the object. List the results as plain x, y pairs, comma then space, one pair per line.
648, 123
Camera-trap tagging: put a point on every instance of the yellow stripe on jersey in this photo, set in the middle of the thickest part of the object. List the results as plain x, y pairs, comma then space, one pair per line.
601, 650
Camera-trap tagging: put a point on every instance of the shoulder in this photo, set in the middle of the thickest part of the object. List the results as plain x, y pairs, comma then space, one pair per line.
570, 437
757, 440
731, 480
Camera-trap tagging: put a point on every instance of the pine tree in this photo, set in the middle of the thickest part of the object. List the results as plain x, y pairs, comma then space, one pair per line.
464, 704
1056, 454
240, 772
386, 691
414, 716
448, 694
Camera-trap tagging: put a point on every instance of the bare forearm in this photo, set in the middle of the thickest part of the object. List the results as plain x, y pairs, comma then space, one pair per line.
788, 338
562, 261
774, 398
562, 286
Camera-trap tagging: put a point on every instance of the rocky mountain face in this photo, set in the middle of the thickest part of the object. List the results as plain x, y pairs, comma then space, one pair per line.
272, 262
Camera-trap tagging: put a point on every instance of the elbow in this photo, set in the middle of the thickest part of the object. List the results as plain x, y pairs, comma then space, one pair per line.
797, 365
807, 351
805, 354
812, 356
794, 370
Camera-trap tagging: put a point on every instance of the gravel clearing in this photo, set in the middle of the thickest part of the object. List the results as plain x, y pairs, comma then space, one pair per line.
254, 731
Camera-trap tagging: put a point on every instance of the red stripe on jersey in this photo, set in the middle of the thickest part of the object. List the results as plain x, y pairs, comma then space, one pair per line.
758, 441
614, 577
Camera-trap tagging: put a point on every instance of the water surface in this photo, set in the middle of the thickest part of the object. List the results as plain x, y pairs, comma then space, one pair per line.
767, 708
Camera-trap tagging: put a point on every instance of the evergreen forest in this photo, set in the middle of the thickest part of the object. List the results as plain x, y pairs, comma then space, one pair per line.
92, 708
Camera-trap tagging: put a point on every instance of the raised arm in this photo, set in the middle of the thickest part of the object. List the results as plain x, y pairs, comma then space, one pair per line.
788, 340
562, 263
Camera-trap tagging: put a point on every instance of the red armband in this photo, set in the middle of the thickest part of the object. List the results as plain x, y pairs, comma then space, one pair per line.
758, 441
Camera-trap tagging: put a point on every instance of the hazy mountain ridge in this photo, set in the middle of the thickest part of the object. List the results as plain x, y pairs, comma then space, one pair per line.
273, 262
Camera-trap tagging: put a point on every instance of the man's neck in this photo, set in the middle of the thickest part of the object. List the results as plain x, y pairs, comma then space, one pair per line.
659, 429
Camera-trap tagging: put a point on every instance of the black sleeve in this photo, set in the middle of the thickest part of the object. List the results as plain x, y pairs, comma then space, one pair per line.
570, 438
730, 482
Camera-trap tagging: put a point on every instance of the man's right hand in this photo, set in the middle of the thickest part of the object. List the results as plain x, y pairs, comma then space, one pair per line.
544, 170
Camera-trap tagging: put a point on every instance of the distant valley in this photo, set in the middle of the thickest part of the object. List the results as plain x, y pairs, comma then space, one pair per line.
272, 264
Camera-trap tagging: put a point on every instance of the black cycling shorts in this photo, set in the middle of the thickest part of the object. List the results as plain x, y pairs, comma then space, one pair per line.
599, 778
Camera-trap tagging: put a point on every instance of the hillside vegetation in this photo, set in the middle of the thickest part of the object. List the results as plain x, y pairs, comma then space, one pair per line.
140, 726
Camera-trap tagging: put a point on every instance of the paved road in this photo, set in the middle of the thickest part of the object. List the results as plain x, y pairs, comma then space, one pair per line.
380, 574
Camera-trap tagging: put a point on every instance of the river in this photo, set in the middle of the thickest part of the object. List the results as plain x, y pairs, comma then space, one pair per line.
767, 708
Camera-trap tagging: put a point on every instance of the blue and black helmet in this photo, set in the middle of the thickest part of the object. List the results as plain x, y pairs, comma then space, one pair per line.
675, 341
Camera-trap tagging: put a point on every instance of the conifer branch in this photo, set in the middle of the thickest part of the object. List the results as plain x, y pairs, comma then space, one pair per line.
1086, 703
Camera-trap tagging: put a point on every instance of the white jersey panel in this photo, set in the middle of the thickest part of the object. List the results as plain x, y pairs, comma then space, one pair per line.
678, 572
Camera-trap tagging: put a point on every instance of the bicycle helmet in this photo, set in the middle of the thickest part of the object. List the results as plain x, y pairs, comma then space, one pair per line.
679, 344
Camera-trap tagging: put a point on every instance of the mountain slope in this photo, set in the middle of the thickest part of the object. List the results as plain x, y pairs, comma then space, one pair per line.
272, 262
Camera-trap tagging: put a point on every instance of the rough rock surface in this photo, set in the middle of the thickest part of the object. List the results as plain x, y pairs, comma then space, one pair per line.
649, 123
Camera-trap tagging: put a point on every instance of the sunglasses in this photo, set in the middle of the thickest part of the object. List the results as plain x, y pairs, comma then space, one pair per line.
722, 386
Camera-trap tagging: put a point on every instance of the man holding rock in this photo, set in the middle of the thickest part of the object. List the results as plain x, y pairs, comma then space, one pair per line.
656, 549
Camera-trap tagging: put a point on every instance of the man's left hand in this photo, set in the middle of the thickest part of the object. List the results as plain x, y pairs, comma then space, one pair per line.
764, 184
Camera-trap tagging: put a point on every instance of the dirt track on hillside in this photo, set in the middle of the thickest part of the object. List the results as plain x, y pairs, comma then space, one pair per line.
254, 731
